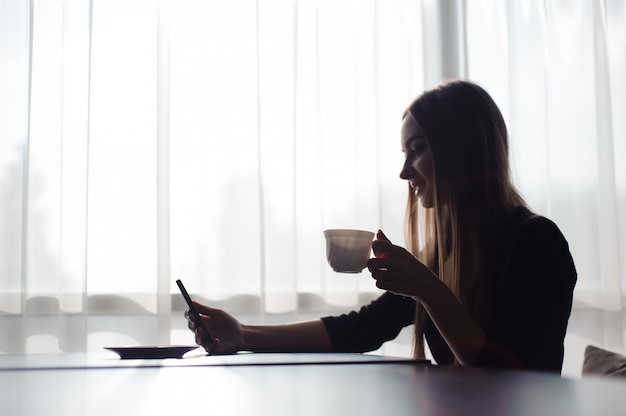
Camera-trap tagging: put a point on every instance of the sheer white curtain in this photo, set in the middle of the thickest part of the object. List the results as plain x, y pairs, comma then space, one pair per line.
211, 141
557, 69
144, 141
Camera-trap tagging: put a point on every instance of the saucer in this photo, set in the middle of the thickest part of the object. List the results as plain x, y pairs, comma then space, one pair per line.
151, 351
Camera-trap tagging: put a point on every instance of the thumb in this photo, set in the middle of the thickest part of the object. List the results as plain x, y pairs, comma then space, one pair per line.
381, 245
381, 236
203, 309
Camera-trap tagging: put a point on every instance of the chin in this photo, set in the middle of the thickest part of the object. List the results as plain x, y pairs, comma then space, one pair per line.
426, 202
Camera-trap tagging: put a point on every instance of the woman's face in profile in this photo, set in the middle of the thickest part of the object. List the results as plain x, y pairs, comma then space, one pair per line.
418, 163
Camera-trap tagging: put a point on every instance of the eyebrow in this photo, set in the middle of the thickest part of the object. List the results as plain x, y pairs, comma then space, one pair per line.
414, 138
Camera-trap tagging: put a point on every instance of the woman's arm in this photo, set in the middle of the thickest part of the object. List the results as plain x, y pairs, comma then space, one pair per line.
460, 331
306, 336
398, 271
232, 336
357, 331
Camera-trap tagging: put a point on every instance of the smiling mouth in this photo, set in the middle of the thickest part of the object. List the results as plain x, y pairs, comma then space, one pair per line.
418, 187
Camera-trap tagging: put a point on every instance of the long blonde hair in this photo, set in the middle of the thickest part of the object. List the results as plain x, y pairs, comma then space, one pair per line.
474, 194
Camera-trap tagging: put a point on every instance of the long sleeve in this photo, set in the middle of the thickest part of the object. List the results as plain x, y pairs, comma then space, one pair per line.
374, 324
532, 301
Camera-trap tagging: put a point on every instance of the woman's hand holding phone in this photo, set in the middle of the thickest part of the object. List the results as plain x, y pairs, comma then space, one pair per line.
227, 330
215, 330
193, 316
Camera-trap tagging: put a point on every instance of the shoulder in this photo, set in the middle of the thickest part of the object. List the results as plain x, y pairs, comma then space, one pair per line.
537, 241
529, 228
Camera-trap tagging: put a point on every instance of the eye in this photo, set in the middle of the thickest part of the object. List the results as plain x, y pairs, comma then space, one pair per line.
417, 147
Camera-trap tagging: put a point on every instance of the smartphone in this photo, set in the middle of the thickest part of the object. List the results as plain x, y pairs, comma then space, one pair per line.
194, 311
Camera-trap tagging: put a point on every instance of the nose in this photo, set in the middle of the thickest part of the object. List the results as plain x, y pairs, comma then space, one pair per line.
406, 171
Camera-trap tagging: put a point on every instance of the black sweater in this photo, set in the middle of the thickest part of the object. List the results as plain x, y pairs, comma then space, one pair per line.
532, 300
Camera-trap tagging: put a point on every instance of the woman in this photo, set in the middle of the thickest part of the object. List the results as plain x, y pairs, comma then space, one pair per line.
486, 282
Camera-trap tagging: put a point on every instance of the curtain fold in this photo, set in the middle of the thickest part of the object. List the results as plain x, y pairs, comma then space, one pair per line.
144, 141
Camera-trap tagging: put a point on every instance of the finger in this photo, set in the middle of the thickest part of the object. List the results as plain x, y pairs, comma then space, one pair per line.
189, 316
384, 249
191, 325
397, 255
377, 273
395, 263
200, 338
203, 309
381, 284
381, 236
381, 247
377, 264
211, 349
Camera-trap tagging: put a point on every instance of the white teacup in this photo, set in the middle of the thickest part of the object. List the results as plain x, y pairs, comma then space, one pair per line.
347, 251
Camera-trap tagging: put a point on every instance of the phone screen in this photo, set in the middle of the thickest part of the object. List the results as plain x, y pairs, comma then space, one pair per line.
193, 310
